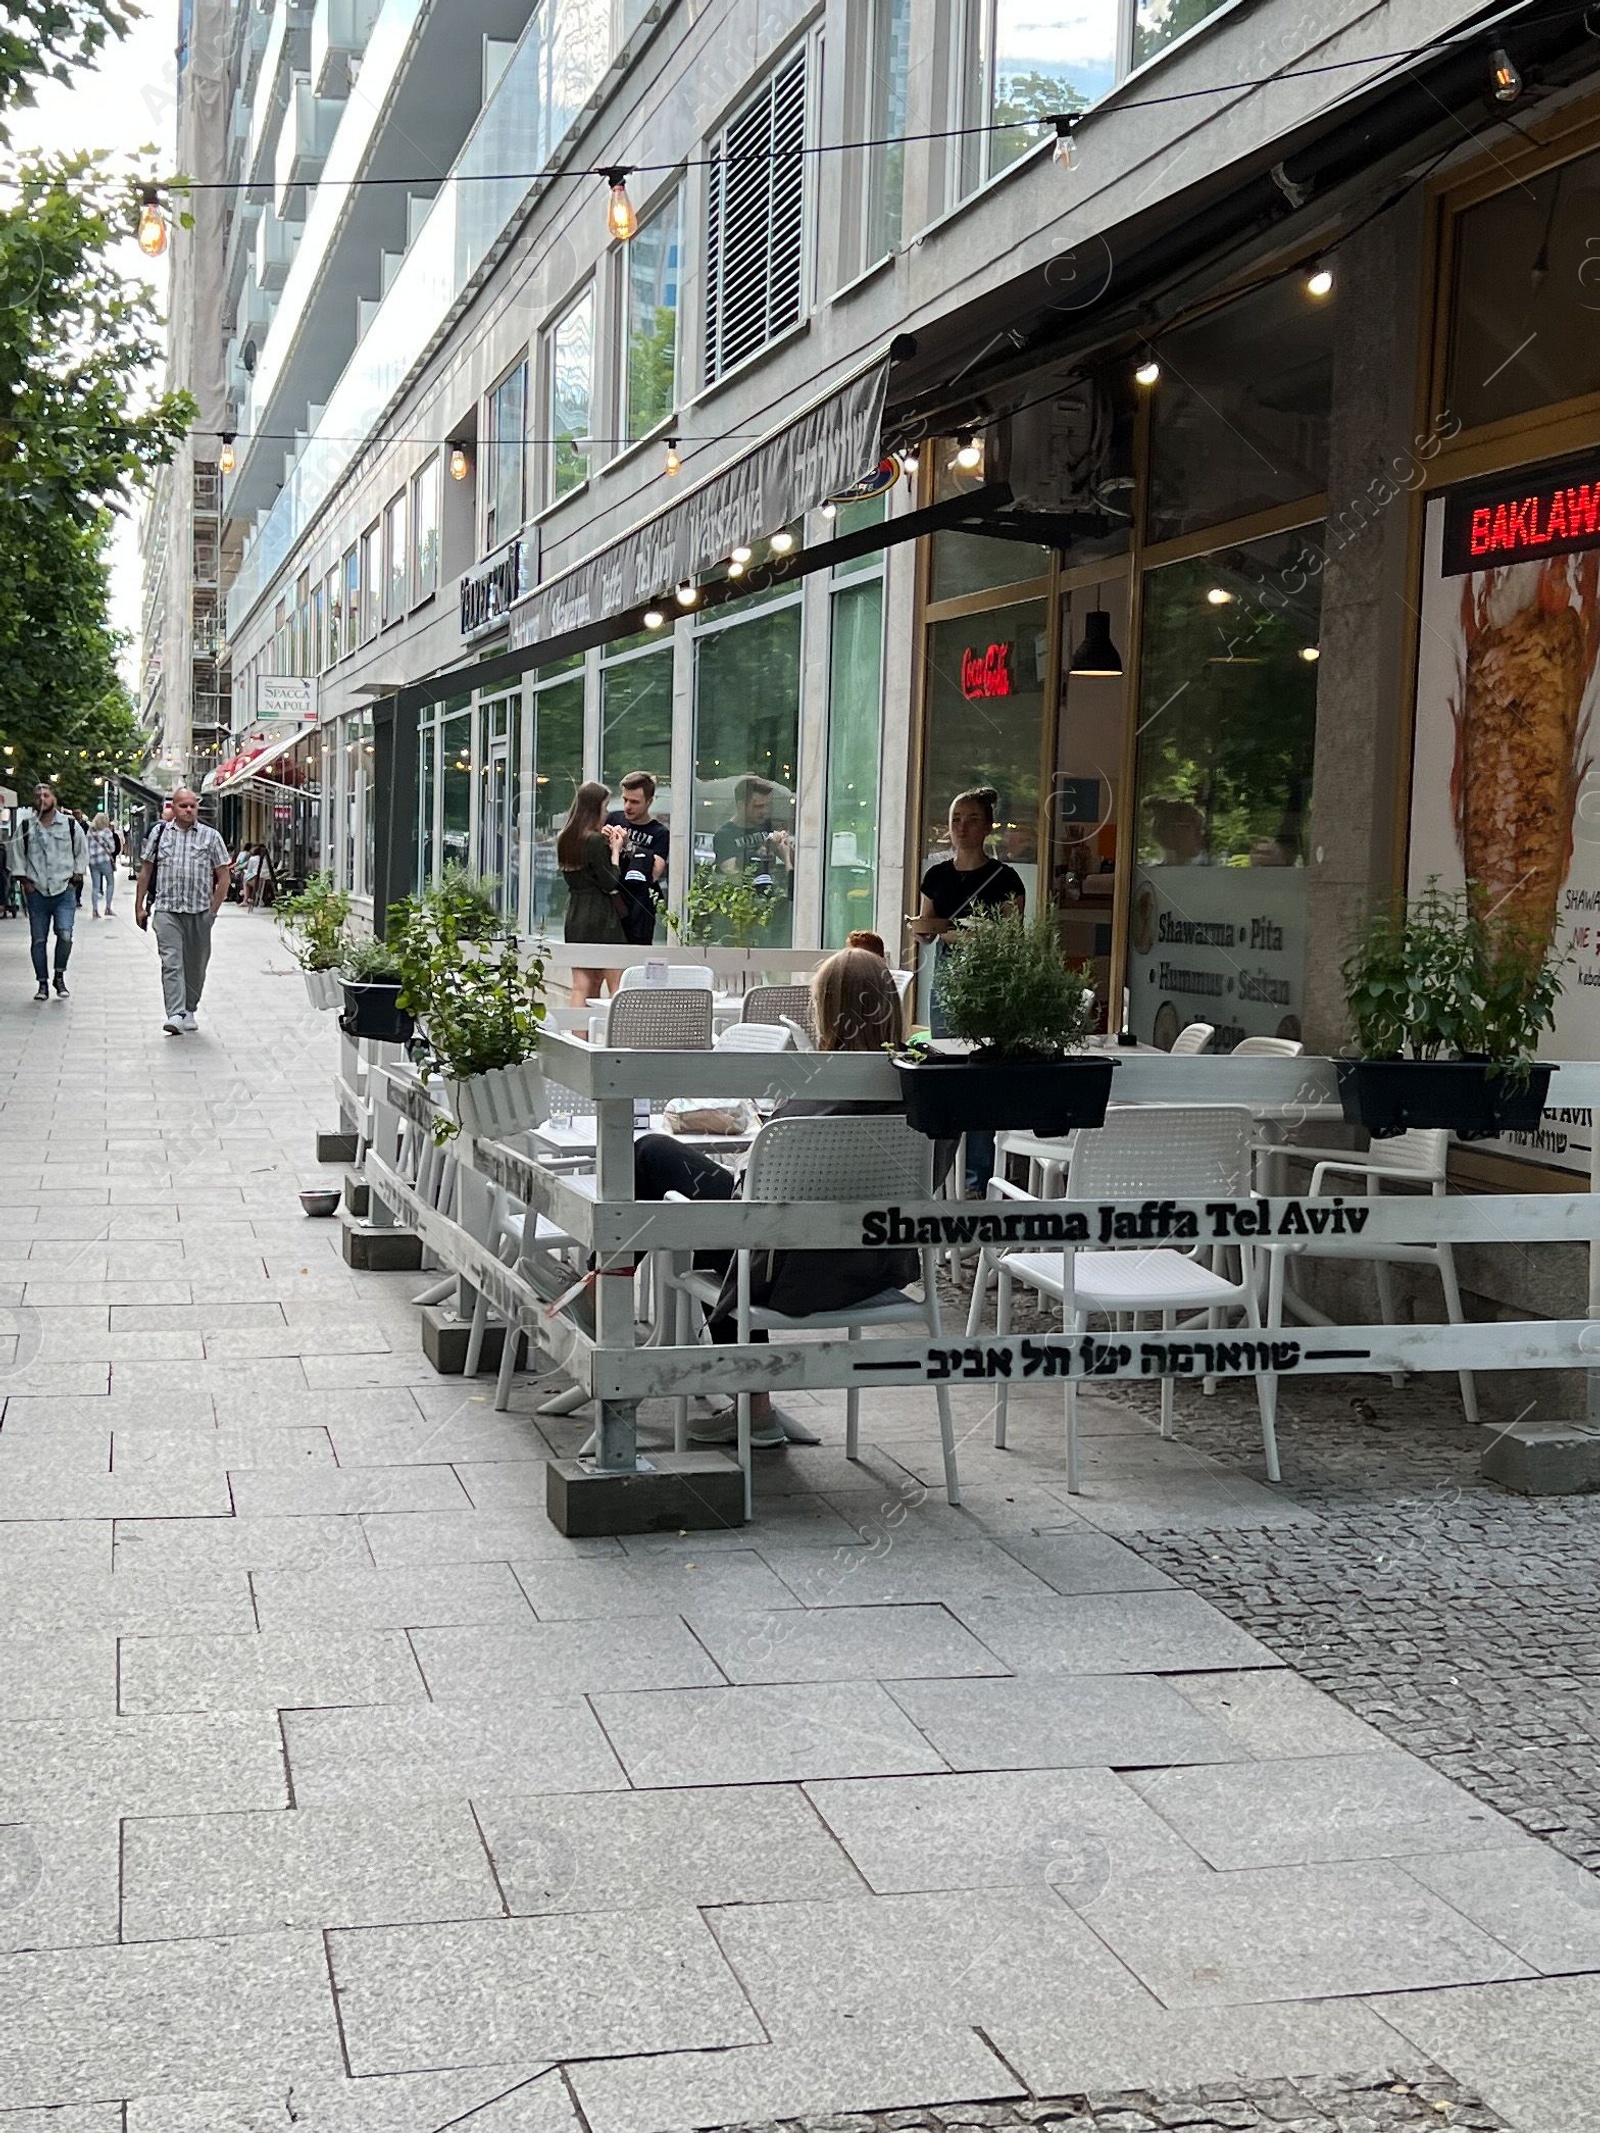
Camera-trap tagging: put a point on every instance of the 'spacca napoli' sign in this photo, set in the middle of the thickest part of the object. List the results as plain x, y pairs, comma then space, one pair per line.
1522, 517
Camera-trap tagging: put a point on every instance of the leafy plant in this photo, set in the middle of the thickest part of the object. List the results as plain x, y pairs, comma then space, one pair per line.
1005, 984
371, 962
1440, 977
725, 908
480, 1006
315, 919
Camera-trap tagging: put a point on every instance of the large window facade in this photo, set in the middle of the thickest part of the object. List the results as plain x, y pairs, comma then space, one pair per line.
746, 769
555, 711
504, 456
855, 737
425, 503
569, 369
651, 270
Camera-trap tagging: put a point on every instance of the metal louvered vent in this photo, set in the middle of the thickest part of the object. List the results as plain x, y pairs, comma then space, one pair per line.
755, 235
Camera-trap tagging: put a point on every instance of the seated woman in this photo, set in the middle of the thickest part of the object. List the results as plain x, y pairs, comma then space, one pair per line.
857, 1009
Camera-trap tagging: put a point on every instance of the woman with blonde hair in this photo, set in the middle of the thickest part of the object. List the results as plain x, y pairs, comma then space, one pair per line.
586, 853
104, 845
856, 1007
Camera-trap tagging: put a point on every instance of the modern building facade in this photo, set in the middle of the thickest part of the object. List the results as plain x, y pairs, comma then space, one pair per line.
1181, 326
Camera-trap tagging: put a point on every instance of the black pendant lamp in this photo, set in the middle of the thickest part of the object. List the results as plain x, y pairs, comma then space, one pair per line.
1097, 654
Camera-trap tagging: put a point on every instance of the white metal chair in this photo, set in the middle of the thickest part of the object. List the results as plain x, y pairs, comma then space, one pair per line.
800, 1033
810, 1160
694, 975
1268, 1048
775, 1003
1417, 1157
1156, 1151
753, 1037
660, 1018
1192, 1038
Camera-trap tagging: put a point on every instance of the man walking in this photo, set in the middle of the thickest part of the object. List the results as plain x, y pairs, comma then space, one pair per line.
183, 883
49, 858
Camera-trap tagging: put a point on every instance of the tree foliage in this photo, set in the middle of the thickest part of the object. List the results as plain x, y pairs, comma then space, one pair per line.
44, 40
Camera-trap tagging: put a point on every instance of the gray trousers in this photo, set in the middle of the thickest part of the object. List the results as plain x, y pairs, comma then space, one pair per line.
184, 939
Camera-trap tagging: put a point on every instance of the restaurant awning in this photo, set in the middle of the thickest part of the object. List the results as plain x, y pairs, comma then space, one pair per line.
240, 769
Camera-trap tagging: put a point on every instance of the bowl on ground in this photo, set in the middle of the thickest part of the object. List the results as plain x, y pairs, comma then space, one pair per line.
320, 1199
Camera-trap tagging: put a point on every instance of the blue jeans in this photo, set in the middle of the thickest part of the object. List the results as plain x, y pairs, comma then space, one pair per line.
102, 878
43, 912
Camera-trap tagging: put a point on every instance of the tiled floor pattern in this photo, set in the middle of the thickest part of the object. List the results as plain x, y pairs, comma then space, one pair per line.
338, 1791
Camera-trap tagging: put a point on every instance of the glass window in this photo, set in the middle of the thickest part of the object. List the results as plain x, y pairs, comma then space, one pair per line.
425, 531
1085, 797
335, 616
499, 792
319, 626
556, 707
888, 69
371, 582
747, 722
1021, 62
395, 571
455, 786
1158, 23
1526, 296
504, 449
855, 704
302, 627
571, 369
352, 598
636, 721
1240, 414
1227, 733
427, 788
986, 684
972, 562
650, 357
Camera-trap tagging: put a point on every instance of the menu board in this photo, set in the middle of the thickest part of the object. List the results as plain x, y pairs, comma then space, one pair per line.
1218, 944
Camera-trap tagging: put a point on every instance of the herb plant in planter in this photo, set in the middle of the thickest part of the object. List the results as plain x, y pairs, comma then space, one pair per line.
1448, 1003
315, 920
1005, 987
371, 976
730, 910
480, 1007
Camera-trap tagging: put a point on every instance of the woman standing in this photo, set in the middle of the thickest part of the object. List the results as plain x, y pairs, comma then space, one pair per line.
586, 852
104, 845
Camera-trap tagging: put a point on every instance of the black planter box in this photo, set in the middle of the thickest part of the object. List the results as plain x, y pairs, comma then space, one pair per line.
373, 1010
1388, 1096
952, 1094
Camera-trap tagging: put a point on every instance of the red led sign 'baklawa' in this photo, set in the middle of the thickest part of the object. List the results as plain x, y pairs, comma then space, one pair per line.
986, 673
1522, 517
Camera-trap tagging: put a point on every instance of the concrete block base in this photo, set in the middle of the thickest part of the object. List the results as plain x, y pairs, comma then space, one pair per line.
1545, 1459
444, 1342
338, 1147
357, 1195
380, 1251
684, 1492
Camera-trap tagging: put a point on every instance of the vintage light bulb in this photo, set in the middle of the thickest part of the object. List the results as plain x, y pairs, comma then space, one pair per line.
735, 568
969, 452
152, 225
621, 221
1311, 653
1219, 596
1147, 372
741, 555
653, 618
225, 458
688, 593
1319, 282
460, 464
1065, 153
782, 541
1505, 76
674, 463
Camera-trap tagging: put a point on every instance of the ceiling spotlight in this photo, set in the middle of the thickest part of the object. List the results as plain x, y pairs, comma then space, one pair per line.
653, 618
621, 221
674, 463
1503, 73
1319, 282
225, 458
688, 593
152, 225
460, 464
782, 541
969, 452
1147, 372
1219, 596
1311, 653
1097, 654
1065, 153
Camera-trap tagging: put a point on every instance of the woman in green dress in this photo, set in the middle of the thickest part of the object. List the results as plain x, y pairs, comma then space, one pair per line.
586, 852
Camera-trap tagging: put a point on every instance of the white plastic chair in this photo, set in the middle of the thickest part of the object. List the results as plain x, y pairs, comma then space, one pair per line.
660, 1018
753, 1037
1268, 1048
875, 1157
1157, 1151
777, 1004
800, 1033
1192, 1038
695, 975
1417, 1157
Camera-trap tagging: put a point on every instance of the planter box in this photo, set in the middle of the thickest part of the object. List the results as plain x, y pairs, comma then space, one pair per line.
954, 1094
1389, 1096
323, 988
502, 1102
374, 1011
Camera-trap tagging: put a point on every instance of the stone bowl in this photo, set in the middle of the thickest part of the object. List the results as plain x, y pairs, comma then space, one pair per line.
320, 1200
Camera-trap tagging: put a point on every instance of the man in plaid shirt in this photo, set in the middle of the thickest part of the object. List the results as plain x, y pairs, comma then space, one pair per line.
183, 882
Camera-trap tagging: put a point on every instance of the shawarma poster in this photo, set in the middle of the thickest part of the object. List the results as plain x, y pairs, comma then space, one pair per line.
1506, 764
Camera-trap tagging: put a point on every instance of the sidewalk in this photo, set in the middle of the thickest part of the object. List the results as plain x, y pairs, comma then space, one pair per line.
338, 1791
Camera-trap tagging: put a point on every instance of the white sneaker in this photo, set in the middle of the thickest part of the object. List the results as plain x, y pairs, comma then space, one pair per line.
188, 1020
723, 1428
174, 1025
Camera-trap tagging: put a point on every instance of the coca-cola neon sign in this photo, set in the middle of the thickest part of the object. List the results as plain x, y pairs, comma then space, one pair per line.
986, 673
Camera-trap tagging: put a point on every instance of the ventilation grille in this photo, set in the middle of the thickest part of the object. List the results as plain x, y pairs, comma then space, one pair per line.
755, 239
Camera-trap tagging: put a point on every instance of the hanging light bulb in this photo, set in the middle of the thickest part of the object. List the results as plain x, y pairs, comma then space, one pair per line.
621, 221
969, 452
782, 541
674, 463
830, 512
741, 556
688, 593
735, 568
1219, 596
460, 464
1319, 282
152, 225
1065, 153
653, 618
1147, 372
1503, 73
908, 465
225, 458
1311, 653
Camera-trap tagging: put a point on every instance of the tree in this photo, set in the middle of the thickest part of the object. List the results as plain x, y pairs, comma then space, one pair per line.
44, 40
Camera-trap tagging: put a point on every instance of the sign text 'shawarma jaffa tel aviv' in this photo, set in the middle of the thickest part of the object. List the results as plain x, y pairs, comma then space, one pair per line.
1152, 1222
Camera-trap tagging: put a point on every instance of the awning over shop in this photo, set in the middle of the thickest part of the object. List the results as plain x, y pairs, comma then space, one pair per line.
240, 769
146, 795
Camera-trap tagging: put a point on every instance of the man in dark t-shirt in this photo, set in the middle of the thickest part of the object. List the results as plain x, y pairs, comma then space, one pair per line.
749, 844
642, 857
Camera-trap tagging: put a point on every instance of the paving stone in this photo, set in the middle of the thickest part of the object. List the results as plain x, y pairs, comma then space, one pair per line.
415, 1597
412, 1753
69, 1547
1277, 1713
762, 1735
501, 2099
270, 1493
631, 1850
132, 1603
567, 1987
68, 1675
469, 1536
842, 1644
192, 1875
473, 1433
1115, 1633
271, 1670
1082, 1721
1084, 1562
212, 1546
648, 1585
230, 1445
58, 1881
1542, 1907
1529, 2050
862, 1576
500, 1662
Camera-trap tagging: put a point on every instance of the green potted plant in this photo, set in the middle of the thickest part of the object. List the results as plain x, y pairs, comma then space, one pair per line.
315, 919
371, 979
729, 910
1007, 991
480, 1007
1447, 1003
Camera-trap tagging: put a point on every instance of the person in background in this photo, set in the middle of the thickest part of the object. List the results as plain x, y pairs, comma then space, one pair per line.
642, 856
749, 843
251, 860
104, 848
49, 857
587, 853
183, 883
6, 910
969, 880
871, 942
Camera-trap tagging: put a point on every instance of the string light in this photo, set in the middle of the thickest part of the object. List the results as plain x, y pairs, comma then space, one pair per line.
908, 465
653, 618
1219, 596
674, 463
460, 464
226, 458
621, 221
1310, 653
152, 225
830, 511
1319, 282
1147, 373
1065, 153
741, 556
1503, 72
782, 541
969, 453
688, 593
735, 568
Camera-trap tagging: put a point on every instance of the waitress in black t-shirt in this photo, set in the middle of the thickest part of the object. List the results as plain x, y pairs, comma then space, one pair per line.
969, 880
